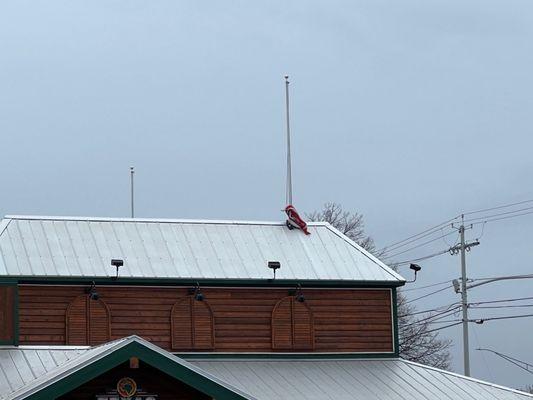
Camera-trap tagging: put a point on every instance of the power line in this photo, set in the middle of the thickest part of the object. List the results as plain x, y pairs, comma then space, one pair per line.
498, 207
435, 317
501, 300
486, 217
507, 306
428, 294
421, 259
432, 330
502, 218
436, 227
430, 310
419, 245
427, 286
519, 363
481, 320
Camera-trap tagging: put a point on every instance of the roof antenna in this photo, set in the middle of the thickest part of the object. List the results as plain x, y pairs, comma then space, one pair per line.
294, 220
132, 171
288, 188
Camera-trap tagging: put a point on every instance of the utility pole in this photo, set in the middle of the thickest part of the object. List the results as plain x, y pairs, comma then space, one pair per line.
464, 301
463, 247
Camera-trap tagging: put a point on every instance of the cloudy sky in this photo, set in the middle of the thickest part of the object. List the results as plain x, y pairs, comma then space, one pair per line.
409, 112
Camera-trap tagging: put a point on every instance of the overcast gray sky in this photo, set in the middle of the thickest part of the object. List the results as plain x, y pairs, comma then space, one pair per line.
409, 112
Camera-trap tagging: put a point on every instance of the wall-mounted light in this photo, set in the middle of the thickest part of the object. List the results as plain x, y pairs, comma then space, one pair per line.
92, 293
197, 293
297, 293
415, 268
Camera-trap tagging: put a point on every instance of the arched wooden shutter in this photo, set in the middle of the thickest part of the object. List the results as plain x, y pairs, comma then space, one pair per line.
87, 322
292, 325
192, 325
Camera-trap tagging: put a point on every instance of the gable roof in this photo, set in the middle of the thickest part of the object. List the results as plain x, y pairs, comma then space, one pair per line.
82, 365
43, 372
182, 249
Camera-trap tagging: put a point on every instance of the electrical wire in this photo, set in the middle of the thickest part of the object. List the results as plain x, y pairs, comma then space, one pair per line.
502, 317
501, 301
427, 286
498, 207
432, 229
502, 218
430, 310
432, 330
511, 360
486, 217
419, 245
498, 307
428, 294
421, 259
434, 317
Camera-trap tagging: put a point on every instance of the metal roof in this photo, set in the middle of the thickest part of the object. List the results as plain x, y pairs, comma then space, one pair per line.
25, 371
391, 379
181, 249
50, 366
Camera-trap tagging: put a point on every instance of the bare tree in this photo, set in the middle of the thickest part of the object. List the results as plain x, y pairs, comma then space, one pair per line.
418, 342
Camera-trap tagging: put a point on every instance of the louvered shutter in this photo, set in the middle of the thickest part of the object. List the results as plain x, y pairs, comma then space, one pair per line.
292, 325
99, 323
282, 325
302, 326
87, 322
192, 325
76, 322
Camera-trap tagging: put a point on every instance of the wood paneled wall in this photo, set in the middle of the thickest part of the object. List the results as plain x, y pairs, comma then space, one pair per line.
244, 319
7, 318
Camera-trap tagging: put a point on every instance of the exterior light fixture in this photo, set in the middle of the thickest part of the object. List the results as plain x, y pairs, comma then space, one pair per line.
415, 268
198, 295
117, 263
274, 265
297, 293
92, 293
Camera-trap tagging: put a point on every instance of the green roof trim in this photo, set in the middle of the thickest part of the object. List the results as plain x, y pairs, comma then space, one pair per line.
204, 282
189, 375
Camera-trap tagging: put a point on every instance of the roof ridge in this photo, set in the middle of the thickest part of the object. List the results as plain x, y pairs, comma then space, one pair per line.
10, 217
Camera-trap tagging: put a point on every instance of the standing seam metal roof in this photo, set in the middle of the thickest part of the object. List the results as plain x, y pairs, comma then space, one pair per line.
383, 379
25, 371
181, 249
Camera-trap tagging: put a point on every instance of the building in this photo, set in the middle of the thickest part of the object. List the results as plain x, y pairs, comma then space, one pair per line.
191, 310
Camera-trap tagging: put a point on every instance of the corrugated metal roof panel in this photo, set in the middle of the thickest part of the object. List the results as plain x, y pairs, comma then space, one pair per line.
390, 379
181, 249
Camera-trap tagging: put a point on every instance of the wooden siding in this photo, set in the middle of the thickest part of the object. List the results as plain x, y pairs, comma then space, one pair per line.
7, 318
347, 320
148, 379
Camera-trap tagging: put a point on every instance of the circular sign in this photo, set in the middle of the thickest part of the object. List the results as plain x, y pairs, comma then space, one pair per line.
126, 387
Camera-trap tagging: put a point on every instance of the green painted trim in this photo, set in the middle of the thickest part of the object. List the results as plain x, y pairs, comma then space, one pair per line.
119, 356
395, 322
204, 282
283, 356
15, 340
